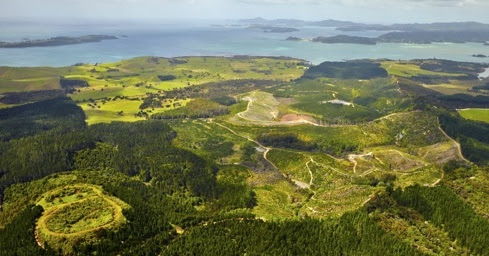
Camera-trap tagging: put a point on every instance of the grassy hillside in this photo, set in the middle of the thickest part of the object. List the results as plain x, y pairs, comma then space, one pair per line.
411, 69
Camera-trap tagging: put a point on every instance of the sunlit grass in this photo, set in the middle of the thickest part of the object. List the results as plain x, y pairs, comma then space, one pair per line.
476, 114
120, 110
409, 70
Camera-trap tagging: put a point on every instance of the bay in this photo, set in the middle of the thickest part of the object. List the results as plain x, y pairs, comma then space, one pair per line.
204, 39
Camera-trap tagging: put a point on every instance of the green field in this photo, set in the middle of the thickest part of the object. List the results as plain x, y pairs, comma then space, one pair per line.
140, 76
475, 114
30, 79
456, 87
124, 110
402, 69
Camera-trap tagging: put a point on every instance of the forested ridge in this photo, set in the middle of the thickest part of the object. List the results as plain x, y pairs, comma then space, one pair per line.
352, 234
442, 207
128, 148
346, 70
25, 120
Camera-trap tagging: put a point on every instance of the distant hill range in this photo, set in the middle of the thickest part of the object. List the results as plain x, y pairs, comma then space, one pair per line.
355, 26
453, 32
295, 23
440, 26
57, 41
416, 37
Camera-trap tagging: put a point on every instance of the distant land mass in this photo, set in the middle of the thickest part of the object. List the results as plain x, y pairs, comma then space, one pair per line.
57, 41
294, 38
452, 32
439, 26
441, 36
419, 37
273, 29
355, 26
479, 56
344, 39
299, 23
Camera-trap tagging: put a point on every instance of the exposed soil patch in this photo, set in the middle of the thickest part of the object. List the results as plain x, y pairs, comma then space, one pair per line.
286, 101
297, 118
398, 161
441, 153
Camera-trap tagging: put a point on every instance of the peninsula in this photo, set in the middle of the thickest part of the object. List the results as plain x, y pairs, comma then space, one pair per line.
344, 39
57, 41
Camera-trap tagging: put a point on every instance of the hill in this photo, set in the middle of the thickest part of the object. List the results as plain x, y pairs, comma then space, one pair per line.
244, 155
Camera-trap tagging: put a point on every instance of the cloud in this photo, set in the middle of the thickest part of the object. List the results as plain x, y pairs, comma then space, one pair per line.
350, 3
282, 1
387, 11
412, 3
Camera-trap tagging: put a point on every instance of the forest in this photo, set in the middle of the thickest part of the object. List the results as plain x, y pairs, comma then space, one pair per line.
346, 70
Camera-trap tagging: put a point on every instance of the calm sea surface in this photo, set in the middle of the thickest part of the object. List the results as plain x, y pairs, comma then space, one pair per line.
168, 40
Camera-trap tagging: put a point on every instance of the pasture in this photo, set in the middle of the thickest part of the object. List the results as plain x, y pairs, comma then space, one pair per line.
124, 110
406, 69
476, 114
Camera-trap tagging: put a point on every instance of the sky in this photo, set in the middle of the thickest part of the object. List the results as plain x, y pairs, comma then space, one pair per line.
369, 11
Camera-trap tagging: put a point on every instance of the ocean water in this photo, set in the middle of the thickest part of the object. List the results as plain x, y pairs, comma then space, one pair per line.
172, 40
484, 74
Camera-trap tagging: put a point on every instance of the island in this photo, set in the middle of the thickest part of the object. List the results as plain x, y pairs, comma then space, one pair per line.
344, 39
57, 41
294, 38
439, 26
479, 56
273, 29
427, 37
418, 37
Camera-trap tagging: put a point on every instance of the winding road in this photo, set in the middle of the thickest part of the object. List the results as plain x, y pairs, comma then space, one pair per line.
265, 149
459, 148
310, 172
